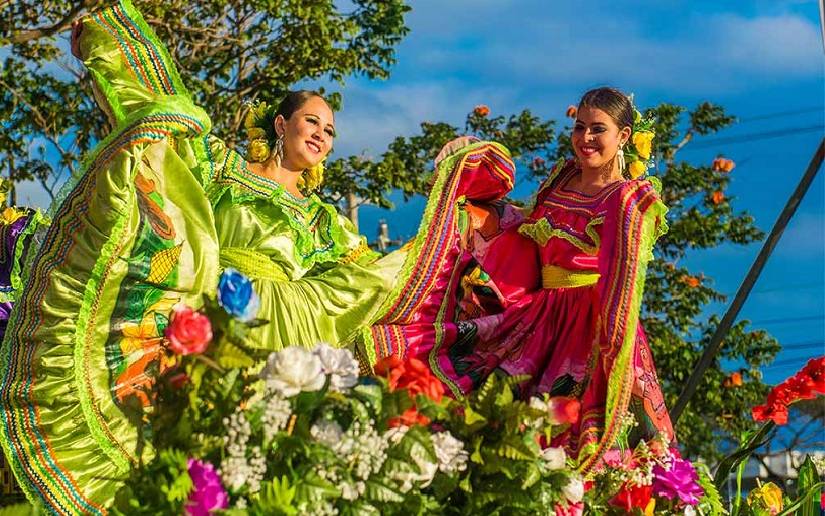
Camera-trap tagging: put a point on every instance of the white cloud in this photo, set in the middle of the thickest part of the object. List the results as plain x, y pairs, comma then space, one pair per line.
780, 45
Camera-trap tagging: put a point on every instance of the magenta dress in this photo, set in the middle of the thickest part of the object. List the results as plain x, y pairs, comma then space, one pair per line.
555, 296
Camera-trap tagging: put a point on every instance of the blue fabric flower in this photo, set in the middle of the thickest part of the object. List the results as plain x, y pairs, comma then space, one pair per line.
236, 295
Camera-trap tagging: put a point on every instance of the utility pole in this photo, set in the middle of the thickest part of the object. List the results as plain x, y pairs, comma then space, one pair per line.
747, 285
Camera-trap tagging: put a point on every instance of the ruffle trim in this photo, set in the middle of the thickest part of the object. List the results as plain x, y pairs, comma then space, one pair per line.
542, 231
323, 243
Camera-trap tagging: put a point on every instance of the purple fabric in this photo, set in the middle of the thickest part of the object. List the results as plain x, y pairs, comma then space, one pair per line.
9, 234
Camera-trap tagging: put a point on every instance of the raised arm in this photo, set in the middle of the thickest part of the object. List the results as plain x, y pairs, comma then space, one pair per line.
132, 72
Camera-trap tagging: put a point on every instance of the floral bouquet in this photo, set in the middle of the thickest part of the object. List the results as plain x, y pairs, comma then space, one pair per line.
652, 479
235, 430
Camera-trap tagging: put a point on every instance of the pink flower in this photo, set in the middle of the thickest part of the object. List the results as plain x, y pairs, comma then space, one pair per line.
680, 481
208, 493
574, 509
188, 331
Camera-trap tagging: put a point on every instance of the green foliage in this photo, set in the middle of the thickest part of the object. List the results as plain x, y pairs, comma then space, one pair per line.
809, 484
227, 52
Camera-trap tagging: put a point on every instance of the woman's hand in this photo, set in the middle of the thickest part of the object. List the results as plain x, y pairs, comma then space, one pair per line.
77, 28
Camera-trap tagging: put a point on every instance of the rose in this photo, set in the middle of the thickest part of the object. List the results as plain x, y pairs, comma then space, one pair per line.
637, 168
767, 497
256, 133
630, 497
258, 150
642, 140
339, 364
573, 491
188, 331
563, 410
293, 370
409, 417
554, 458
236, 295
412, 375
207, 492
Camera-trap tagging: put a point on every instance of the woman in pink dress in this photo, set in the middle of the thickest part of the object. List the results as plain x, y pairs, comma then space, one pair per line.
557, 295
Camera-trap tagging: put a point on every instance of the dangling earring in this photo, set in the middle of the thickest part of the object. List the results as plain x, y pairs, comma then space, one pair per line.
278, 152
620, 157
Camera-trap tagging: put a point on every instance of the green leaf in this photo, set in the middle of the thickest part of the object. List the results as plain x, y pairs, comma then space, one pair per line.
230, 356
382, 490
807, 478
276, 496
471, 417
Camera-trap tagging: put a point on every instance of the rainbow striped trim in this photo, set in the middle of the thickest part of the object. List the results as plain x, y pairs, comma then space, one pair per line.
438, 235
640, 212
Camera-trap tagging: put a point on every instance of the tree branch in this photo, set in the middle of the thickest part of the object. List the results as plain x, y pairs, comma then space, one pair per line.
61, 25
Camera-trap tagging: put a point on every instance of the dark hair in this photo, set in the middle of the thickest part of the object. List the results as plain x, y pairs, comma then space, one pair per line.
613, 102
294, 100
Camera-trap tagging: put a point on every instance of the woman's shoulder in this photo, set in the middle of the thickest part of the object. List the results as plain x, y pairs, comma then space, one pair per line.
641, 191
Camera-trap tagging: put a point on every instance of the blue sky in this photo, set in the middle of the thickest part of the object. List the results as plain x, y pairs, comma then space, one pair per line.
756, 58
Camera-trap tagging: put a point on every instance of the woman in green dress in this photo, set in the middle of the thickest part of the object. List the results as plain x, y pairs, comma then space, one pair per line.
161, 207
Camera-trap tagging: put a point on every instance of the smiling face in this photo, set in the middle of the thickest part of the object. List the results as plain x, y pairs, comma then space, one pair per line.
596, 137
308, 134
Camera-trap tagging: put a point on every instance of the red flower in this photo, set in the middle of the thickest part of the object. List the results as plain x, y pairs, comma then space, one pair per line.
805, 384
571, 111
576, 509
733, 380
718, 197
188, 331
630, 497
412, 375
415, 377
563, 410
410, 417
481, 110
815, 370
178, 380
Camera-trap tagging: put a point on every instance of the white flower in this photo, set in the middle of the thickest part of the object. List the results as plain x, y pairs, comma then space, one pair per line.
689, 510
327, 432
573, 491
339, 364
395, 434
538, 404
275, 415
293, 370
452, 457
554, 458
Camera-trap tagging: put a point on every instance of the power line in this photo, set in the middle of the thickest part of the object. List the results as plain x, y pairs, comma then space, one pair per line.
765, 135
768, 116
790, 319
804, 345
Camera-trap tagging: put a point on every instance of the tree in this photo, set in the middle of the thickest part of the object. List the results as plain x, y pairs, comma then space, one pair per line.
701, 217
228, 51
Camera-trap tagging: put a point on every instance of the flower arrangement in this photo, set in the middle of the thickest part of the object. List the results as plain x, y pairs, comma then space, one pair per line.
652, 479
240, 431
639, 150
